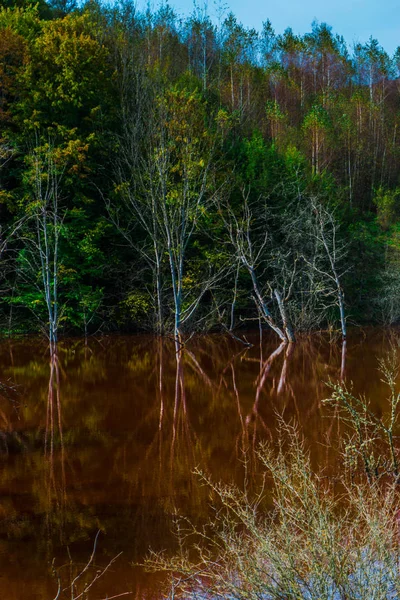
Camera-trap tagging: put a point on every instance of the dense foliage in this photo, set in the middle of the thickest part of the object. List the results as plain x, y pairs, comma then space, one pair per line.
171, 175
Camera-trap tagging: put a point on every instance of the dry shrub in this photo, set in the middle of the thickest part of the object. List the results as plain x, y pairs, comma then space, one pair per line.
326, 538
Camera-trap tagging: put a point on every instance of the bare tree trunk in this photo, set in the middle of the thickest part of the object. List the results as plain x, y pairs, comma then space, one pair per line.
233, 305
286, 323
327, 234
158, 285
263, 305
340, 294
343, 361
47, 223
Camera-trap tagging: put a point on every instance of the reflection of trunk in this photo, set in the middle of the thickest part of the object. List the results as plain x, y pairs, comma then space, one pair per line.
253, 416
184, 443
175, 447
180, 395
263, 376
198, 368
56, 489
236, 392
282, 380
53, 418
160, 382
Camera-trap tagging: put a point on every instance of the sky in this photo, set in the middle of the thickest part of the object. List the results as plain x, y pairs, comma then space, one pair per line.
356, 20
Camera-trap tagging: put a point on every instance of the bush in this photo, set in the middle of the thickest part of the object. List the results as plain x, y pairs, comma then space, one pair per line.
326, 538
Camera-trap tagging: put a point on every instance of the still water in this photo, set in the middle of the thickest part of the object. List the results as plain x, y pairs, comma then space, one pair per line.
105, 437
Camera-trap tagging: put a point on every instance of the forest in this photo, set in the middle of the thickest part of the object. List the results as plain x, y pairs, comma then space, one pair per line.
179, 175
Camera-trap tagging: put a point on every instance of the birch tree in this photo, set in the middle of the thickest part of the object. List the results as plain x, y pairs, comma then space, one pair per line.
39, 259
331, 257
167, 195
251, 244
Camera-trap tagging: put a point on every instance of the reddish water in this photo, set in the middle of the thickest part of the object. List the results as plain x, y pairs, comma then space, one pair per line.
106, 437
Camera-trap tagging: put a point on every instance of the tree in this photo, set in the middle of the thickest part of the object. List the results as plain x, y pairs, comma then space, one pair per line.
317, 124
12, 50
201, 44
237, 52
57, 251
169, 195
39, 259
67, 80
330, 258
250, 243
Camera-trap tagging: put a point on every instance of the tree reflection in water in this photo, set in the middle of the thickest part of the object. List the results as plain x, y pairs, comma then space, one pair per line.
110, 431
54, 481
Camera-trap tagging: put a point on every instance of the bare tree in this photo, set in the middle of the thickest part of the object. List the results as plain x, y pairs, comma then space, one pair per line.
40, 260
166, 194
331, 256
251, 242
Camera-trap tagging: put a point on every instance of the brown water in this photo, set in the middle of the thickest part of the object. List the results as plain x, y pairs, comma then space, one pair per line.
106, 436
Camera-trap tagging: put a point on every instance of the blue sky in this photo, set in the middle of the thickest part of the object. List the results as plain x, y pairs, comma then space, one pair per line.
356, 20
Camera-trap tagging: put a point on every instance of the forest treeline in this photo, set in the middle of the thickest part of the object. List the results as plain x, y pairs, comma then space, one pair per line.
180, 175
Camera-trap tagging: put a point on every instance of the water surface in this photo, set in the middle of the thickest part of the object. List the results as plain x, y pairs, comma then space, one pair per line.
106, 435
